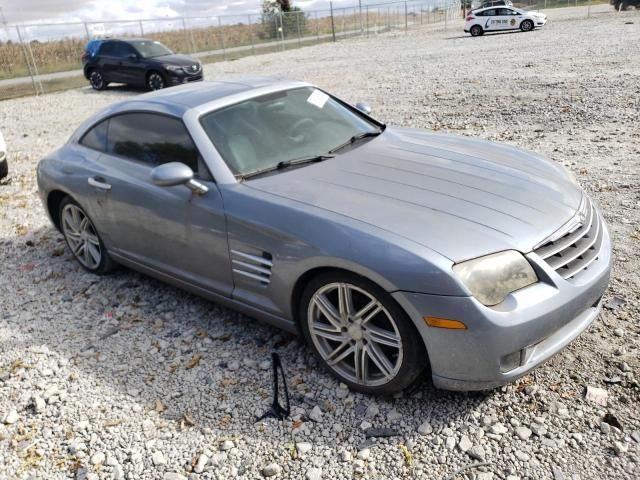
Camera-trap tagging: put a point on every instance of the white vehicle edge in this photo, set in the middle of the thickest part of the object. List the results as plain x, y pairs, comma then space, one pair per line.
502, 18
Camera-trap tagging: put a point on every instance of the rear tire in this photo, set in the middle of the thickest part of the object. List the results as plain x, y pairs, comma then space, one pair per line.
526, 26
360, 334
96, 79
476, 31
83, 239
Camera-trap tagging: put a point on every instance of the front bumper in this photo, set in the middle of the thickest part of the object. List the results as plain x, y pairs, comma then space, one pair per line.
538, 321
182, 78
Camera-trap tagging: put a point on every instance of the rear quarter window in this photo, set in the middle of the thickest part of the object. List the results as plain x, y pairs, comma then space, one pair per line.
96, 137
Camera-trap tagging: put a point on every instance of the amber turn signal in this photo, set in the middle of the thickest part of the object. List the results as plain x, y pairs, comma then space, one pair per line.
445, 323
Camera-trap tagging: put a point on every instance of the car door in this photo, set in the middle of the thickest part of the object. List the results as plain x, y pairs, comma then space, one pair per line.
489, 19
130, 66
508, 19
108, 59
170, 230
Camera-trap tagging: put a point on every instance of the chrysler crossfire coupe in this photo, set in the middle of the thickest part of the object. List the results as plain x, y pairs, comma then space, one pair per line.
389, 249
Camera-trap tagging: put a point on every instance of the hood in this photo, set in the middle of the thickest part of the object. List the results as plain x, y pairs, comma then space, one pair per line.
176, 59
458, 196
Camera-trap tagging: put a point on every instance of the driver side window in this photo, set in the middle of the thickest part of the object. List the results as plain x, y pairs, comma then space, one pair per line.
152, 139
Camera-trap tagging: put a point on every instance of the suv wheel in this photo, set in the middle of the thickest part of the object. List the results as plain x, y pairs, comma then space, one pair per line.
155, 81
96, 79
360, 334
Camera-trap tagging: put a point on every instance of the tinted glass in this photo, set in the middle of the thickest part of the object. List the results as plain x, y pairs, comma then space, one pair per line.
125, 49
152, 139
506, 11
149, 48
108, 48
96, 138
490, 13
259, 133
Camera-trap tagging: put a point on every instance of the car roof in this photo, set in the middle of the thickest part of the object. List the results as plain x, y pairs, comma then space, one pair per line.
493, 7
208, 95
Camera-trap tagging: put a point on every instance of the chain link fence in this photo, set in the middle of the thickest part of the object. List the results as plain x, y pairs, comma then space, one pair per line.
41, 58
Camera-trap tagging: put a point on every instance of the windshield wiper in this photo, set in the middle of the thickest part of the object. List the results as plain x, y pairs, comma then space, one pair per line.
355, 138
288, 163
302, 160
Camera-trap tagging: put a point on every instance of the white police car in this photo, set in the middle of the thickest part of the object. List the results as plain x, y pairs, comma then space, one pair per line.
499, 19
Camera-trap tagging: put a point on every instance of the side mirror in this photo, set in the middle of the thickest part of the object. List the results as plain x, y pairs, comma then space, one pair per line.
364, 108
176, 173
133, 57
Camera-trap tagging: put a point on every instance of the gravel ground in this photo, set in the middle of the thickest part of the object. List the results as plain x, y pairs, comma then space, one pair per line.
125, 377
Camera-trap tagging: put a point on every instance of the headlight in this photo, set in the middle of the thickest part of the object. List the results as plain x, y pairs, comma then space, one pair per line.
492, 277
175, 69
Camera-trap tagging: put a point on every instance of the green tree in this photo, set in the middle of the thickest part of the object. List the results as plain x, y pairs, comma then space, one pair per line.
294, 21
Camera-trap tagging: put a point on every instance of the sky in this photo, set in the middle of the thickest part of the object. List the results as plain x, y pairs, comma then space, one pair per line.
38, 11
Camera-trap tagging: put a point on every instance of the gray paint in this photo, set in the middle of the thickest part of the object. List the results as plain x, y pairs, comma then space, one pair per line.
400, 210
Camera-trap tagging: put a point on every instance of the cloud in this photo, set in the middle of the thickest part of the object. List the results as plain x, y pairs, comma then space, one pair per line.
44, 11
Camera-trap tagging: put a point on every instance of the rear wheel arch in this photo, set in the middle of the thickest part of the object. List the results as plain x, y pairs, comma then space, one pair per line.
54, 200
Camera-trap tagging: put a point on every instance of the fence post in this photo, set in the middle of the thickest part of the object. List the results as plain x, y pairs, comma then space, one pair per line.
86, 30
141, 29
406, 18
445, 17
31, 64
224, 48
317, 26
367, 18
281, 30
298, 26
251, 35
333, 26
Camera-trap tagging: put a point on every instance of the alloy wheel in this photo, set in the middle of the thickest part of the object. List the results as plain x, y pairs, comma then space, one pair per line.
355, 334
81, 236
155, 81
527, 26
97, 80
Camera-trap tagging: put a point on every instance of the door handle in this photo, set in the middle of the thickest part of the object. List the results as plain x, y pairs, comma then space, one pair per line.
99, 183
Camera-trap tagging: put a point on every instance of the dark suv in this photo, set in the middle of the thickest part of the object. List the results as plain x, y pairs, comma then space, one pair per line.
138, 62
624, 4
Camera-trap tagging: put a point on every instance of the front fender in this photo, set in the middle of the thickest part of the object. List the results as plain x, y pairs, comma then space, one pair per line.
298, 238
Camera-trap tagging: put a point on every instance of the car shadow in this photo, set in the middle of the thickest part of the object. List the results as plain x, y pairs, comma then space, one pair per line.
186, 363
487, 34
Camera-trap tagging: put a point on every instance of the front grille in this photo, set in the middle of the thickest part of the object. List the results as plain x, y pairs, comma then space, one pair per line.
576, 245
192, 69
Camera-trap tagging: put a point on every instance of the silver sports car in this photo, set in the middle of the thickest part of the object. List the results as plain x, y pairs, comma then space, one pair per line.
389, 249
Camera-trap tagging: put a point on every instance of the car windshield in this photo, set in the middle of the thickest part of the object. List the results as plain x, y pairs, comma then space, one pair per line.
149, 49
283, 129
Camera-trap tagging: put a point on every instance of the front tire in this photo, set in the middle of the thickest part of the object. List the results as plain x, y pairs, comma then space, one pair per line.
526, 26
360, 334
476, 31
83, 239
155, 81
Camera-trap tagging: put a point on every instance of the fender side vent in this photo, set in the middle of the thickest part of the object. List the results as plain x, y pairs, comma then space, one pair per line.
253, 267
